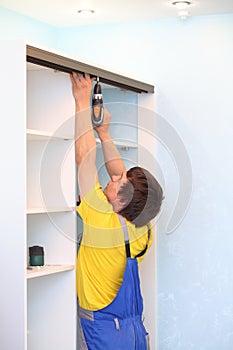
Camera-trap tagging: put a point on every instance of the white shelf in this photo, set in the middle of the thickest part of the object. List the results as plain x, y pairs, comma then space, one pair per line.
124, 145
40, 135
49, 210
39, 271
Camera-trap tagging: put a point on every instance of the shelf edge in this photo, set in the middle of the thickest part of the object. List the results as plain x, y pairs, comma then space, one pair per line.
48, 270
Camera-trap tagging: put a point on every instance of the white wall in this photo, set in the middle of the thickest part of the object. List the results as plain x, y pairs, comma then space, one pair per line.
13, 197
190, 63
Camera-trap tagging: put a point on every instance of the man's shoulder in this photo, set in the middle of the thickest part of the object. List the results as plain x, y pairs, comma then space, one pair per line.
95, 203
96, 198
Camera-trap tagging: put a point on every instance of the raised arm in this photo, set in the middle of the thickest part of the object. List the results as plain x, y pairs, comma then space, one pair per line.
85, 143
113, 161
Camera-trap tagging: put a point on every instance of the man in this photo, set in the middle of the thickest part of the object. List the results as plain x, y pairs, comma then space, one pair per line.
116, 235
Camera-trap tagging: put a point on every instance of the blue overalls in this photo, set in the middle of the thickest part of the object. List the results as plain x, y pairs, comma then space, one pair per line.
119, 325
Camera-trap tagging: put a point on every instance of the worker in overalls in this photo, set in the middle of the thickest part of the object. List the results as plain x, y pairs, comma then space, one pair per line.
116, 235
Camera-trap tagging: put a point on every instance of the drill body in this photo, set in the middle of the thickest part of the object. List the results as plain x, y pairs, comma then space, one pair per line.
97, 106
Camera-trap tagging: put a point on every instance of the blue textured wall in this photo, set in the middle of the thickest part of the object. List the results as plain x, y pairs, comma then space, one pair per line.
190, 64
16, 26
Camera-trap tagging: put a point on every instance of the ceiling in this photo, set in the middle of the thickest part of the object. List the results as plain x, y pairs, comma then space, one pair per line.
64, 12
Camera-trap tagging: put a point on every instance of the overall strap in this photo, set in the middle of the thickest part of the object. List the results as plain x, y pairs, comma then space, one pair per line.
145, 249
126, 236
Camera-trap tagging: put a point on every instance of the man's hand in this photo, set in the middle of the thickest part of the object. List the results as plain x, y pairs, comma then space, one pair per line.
81, 89
113, 161
103, 129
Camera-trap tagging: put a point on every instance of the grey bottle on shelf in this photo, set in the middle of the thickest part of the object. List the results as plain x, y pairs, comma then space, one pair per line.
36, 256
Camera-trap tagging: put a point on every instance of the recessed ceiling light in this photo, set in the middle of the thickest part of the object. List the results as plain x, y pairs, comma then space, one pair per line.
181, 5
86, 11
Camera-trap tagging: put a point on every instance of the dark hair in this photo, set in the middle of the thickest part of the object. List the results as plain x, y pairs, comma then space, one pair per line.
143, 196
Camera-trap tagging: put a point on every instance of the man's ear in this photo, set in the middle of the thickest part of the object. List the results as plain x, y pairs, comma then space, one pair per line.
118, 205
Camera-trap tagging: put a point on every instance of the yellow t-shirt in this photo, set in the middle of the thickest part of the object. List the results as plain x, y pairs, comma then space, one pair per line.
101, 257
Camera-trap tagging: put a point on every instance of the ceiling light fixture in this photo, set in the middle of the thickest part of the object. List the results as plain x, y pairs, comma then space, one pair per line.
182, 8
86, 12
181, 5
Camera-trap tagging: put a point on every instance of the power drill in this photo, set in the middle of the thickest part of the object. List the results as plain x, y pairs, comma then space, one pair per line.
97, 113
